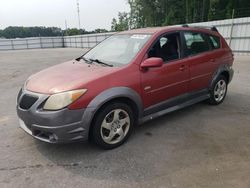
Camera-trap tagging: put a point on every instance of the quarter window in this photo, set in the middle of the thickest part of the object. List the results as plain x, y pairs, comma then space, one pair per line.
195, 43
215, 41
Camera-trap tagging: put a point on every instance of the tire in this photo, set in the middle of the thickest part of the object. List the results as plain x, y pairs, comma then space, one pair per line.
112, 125
218, 91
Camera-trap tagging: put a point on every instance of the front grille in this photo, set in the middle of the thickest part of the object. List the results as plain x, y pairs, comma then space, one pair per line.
27, 101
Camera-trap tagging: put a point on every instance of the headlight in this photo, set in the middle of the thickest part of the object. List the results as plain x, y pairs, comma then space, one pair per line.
61, 100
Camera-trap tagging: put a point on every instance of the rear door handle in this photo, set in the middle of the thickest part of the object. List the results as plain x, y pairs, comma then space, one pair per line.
182, 67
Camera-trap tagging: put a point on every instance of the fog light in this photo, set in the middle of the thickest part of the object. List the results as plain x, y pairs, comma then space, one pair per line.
53, 138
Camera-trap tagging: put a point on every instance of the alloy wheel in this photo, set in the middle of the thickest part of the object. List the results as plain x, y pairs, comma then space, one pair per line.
115, 126
220, 90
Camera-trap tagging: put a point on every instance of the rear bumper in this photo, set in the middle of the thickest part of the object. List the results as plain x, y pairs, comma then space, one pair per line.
61, 126
231, 74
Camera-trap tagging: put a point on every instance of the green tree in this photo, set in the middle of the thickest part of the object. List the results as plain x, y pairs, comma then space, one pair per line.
148, 13
75, 31
21, 32
100, 31
72, 31
122, 23
113, 24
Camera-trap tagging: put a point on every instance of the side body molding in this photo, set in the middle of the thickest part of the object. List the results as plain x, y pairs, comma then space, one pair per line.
108, 95
222, 68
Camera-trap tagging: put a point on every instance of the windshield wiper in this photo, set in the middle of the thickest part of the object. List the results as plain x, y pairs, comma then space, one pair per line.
100, 62
86, 60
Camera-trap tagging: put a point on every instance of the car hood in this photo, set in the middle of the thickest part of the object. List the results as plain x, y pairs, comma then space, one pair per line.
65, 77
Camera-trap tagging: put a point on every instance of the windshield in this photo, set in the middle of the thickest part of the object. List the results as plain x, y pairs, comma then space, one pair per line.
118, 50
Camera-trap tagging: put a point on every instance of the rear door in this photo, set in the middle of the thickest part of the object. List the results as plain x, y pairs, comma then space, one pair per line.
201, 60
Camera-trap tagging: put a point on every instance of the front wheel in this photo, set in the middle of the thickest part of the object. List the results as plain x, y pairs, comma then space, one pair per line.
113, 125
218, 91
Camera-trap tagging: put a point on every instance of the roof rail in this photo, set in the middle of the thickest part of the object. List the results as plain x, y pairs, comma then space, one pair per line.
213, 28
185, 25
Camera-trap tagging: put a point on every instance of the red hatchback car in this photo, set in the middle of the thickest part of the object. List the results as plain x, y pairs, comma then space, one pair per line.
129, 78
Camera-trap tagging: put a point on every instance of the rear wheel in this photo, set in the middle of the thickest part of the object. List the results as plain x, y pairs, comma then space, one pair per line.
113, 125
219, 91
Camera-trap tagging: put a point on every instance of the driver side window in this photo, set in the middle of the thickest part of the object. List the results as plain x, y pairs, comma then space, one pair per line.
166, 47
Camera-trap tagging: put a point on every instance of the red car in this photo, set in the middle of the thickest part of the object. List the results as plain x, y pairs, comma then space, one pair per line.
131, 77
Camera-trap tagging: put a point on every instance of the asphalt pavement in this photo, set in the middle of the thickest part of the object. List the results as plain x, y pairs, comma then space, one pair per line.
199, 146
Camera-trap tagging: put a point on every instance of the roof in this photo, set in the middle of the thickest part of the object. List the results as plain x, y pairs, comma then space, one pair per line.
148, 30
153, 30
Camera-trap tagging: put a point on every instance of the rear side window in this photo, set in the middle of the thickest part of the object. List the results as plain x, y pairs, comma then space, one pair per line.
196, 43
215, 42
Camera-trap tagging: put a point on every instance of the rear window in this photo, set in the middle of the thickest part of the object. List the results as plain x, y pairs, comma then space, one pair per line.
215, 42
196, 43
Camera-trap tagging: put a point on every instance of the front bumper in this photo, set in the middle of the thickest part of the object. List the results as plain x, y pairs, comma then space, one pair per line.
59, 126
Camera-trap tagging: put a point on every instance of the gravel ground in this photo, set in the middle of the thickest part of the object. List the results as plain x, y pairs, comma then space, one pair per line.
199, 146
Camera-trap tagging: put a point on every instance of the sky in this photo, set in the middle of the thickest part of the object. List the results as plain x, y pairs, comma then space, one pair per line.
93, 13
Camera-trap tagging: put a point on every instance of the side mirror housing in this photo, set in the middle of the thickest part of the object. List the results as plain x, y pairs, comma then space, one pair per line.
152, 62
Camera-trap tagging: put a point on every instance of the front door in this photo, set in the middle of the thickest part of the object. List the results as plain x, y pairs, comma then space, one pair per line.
170, 80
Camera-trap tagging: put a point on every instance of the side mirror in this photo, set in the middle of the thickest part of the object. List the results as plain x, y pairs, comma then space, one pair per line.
152, 62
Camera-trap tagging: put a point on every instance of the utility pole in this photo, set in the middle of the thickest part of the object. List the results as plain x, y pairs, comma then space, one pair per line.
187, 11
78, 12
66, 25
232, 25
203, 10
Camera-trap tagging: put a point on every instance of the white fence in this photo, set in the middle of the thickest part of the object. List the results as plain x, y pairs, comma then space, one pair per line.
85, 41
31, 43
236, 32
78, 41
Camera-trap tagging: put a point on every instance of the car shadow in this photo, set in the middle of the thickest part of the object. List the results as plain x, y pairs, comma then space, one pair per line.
183, 139
134, 161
